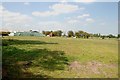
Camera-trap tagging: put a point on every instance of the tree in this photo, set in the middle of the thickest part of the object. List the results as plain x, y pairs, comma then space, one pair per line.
81, 33
77, 34
64, 35
59, 33
111, 36
118, 36
103, 36
70, 33
86, 35
96, 35
54, 33
30, 30
99, 35
43, 32
47, 32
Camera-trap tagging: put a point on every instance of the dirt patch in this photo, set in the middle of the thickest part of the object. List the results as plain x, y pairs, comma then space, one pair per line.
74, 65
92, 67
94, 63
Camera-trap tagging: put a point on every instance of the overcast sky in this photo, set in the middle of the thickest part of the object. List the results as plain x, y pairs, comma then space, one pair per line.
93, 17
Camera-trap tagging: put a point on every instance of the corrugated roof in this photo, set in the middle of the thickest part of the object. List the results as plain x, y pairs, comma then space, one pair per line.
28, 34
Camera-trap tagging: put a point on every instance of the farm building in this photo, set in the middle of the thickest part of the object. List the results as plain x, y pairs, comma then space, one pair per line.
32, 33
4, 32
11, 34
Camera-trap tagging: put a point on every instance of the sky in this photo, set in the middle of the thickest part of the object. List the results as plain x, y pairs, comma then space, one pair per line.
89, 16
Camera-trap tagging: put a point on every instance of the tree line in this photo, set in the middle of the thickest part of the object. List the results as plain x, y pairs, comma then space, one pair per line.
78, 34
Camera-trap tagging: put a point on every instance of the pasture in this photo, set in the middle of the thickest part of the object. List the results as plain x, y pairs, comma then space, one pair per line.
55, 57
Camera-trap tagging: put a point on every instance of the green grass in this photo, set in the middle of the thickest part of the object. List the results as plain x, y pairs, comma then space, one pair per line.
50, 57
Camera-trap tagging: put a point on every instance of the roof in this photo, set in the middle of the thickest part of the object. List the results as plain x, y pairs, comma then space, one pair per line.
28, 34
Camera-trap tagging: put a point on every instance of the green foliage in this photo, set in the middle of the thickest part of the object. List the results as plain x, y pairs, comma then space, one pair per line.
82, 34
70, 33
77, 34
111, 36
46, 32
97, 35
14, 59
59, 33
118, 35
54, 33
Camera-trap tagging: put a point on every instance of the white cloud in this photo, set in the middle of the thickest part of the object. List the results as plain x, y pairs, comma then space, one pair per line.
45, 14
26, 3
86, 15
90, 20
81, 8
73, 21
83, 16
64, 8
1, 10
77, 18
15, 17
81, 19
85, 1
1, 7
63, 1
57, 9
50, 25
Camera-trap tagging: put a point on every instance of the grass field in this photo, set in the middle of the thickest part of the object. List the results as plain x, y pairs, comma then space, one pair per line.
54, 57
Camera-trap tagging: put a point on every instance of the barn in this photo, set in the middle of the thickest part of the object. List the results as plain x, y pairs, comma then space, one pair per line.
32, 33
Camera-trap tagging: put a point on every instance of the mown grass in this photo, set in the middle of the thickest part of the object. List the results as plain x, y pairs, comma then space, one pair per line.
51, 57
